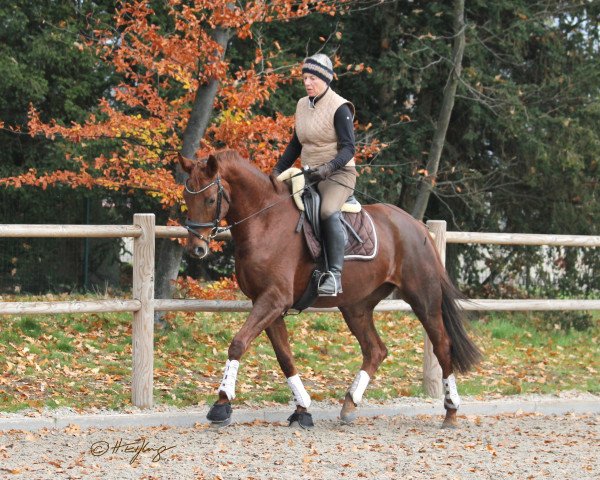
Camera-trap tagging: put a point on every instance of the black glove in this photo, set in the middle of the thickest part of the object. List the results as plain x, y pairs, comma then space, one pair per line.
318, 174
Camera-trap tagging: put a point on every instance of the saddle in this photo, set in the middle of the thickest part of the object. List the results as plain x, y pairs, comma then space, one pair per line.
359, 229
361, 236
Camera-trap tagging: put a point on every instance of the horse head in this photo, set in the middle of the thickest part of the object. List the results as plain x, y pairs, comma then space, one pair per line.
207, 201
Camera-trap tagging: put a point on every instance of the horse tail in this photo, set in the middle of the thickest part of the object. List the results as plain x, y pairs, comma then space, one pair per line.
464, 353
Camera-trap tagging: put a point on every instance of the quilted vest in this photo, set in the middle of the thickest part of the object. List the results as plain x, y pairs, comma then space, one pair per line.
315, 128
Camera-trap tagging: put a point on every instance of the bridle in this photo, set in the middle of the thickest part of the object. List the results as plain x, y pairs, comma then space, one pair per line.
222, 194
193, 226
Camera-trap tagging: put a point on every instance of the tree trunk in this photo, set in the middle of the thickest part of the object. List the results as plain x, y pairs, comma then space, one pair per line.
387, 91
169, 251
437, 145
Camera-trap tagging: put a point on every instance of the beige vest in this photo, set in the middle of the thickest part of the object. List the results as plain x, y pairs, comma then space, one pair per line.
316, 131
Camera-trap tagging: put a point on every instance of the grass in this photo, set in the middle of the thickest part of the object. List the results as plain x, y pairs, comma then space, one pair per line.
84, 361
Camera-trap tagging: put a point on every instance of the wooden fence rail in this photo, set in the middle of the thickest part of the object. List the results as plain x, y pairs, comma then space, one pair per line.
143, 305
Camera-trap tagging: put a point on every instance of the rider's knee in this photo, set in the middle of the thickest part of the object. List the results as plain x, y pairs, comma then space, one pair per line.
327, 212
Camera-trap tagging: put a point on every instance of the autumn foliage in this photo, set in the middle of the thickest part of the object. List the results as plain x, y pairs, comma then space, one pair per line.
223, 289
161, 68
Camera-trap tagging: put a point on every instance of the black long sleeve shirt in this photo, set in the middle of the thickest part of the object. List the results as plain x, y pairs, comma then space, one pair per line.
344, 129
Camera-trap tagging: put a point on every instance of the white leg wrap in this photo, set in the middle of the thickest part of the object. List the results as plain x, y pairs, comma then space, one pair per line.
229, 378
301, 396
359, 385
451, 398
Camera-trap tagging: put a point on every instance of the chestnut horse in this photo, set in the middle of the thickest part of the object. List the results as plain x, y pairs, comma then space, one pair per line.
273, 267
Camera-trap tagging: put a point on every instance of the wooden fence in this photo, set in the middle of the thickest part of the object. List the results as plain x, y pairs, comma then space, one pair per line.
143, 305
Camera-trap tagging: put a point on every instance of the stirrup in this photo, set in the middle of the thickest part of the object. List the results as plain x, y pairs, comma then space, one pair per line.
337, 286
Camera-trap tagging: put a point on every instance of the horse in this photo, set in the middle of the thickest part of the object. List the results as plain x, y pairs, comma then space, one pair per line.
273, 267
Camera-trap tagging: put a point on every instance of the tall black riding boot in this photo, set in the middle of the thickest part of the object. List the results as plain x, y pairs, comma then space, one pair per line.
331, 283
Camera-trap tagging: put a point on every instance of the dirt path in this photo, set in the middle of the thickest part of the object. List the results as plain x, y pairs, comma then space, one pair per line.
520, 446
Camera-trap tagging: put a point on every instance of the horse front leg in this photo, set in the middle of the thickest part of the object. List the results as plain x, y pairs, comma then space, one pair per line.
278, 335
264, 311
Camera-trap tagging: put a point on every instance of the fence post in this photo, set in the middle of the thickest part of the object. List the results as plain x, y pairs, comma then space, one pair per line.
142, 337
432, 371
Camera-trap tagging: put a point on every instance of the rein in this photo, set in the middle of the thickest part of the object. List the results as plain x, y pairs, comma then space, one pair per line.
216, 230
222, 194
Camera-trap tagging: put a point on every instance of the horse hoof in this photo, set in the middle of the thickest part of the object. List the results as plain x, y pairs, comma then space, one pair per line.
449, 425
220, 414
349, 410
304, 419
222, 424
348, 418
450, 421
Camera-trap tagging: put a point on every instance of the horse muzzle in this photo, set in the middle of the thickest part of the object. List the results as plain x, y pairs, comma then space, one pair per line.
199, 250
197, 245
197, 242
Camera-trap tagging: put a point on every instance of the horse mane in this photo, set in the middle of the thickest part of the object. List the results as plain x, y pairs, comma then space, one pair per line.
230, 155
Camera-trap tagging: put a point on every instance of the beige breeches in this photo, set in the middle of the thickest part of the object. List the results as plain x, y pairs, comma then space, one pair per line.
334, 195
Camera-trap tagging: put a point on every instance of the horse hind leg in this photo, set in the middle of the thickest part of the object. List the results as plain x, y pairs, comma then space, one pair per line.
435, 308
360, 321
442, 349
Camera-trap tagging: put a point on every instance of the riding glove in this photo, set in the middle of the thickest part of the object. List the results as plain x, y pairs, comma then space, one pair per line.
320, 173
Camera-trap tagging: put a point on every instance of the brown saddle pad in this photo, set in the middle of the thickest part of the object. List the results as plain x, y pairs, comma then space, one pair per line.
363, 224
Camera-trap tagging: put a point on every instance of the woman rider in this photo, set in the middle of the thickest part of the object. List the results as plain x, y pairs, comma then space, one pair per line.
324, 139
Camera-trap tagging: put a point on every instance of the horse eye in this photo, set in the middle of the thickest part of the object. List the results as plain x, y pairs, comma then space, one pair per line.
210, 201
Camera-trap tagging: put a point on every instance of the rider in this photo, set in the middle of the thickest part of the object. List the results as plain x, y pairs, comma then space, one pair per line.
324, 139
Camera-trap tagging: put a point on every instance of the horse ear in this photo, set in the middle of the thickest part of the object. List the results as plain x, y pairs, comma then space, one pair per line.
212, 167
186, 163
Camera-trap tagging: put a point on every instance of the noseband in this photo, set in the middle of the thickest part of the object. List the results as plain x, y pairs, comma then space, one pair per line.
193, 226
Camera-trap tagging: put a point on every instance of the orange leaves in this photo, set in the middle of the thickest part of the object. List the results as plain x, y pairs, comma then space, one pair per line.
228, 14
248, 88
28, 178
258, 137
364, 151
223, 289
65, 177
161, 70
359, 68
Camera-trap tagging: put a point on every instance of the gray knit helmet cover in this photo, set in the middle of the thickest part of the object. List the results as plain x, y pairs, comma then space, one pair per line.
319, 65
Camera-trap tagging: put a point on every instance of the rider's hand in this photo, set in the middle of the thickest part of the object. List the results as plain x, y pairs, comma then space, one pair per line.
320, 173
